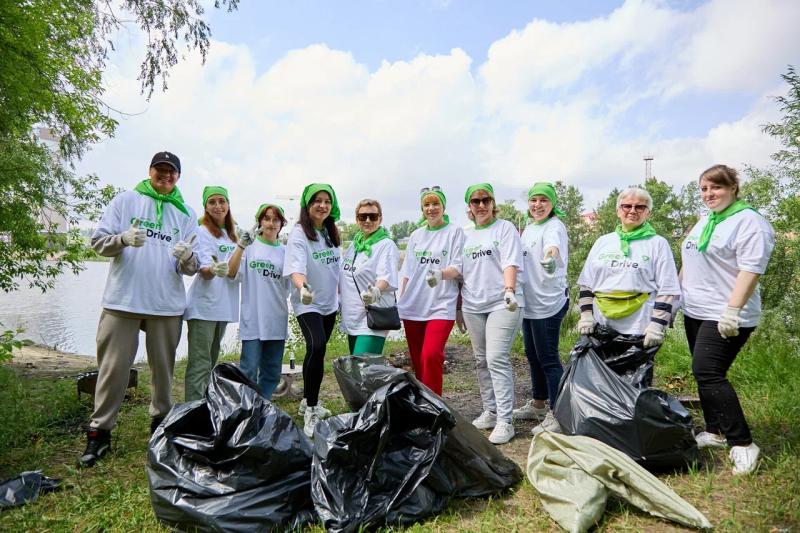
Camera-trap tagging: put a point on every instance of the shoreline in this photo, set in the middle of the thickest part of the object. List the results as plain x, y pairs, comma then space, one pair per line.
42, 361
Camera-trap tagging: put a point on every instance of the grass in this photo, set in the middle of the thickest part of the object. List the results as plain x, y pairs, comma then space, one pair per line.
40, 428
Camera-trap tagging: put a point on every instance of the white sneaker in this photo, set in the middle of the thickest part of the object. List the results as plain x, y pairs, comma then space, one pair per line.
745, 458
310, 419
487, 420
502, 433
529, 412
548, 424
323, 412
705, 439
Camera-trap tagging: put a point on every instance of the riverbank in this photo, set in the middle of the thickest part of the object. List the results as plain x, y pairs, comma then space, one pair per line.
43, 361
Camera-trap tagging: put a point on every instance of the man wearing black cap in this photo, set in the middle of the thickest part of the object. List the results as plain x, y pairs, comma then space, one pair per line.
148, 232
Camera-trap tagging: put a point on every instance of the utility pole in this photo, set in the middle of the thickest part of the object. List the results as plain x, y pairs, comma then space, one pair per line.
648, 166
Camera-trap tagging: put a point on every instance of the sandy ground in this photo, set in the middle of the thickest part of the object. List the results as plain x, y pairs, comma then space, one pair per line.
43, 361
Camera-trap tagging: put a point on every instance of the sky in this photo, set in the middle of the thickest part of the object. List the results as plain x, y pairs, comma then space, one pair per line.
380, 98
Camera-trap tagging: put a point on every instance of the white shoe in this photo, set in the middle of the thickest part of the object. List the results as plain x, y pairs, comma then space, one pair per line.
502, 433
745, 458
548, 424
310, 419
487, 420
705, 439
323, 412
529, 412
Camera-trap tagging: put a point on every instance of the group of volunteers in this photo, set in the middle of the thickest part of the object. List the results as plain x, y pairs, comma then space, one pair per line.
488, 279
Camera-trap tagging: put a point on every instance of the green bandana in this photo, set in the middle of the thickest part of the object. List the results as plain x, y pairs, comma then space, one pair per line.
442, 198
546, 189
478, 187
313, 189
364, 244
211, 190
174, 198
716, 218
645, 231
263, 207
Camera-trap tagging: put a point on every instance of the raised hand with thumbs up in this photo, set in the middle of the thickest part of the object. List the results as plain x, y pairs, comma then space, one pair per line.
134, 236
218, 268
183, 249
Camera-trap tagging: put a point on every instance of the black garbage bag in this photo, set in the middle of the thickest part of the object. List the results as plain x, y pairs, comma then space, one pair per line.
349, 374
622, 353
26, 488
401, 457
232, 461
650, 426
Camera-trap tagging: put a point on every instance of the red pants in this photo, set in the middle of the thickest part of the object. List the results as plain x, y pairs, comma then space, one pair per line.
426, 340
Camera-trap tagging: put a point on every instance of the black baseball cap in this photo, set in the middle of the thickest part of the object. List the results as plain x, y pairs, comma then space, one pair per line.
168, 158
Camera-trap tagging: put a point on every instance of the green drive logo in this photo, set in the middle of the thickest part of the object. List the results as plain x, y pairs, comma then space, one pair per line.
266, 268
325, 257
476, 252
426, 257
147, 223
153, 230
225, 248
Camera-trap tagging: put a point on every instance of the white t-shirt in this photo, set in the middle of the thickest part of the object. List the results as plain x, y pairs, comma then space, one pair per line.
381, 265
545, 294
487, 253
741, 242
146, 280
217, 298
650, 268
426, 250
265, 293
320, 265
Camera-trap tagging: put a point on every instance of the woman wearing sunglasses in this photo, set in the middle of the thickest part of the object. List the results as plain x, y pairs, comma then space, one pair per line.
312, 263
368, 277
629, 279
544, 244
429, 287
491, 299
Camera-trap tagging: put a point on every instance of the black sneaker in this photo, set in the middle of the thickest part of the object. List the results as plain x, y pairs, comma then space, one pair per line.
154, 423
98, 443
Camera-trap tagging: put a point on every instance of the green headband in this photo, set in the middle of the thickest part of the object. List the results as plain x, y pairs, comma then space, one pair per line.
546, 189
211, 190
440, 194
313, 189
264, 207
478, 187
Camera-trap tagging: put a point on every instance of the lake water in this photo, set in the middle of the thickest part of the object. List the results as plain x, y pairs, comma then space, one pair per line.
66, 317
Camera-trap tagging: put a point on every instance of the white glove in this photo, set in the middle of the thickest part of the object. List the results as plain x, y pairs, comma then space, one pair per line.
548, 264
248, 237
511, 301
586, 323
183, 249
134, 236
370, 295
653, 335
218, 268
434, 277
728, 325
306, 294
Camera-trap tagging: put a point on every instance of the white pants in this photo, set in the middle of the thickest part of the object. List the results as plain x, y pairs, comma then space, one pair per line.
492, 335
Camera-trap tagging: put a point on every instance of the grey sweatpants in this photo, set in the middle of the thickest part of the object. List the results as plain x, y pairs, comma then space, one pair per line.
492, 335
117, 342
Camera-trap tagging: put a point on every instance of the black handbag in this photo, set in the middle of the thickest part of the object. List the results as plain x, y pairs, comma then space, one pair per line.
379, 318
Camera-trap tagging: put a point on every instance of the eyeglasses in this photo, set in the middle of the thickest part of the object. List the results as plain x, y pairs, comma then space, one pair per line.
430, 189
638, 207
363, 217
487, 200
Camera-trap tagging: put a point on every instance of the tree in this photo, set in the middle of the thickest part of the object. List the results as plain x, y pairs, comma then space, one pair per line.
347, 231
52, 55
401, 230
507, 211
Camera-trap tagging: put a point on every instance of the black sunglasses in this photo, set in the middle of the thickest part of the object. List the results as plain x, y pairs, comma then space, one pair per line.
363, 217
478, 201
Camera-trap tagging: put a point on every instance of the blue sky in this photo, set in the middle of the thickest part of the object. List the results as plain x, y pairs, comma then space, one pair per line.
380, 98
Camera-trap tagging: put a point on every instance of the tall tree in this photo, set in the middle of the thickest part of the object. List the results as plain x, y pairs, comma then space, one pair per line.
507, 211
401, 230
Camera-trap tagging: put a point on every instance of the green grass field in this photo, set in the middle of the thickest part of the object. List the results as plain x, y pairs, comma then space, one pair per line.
40, 429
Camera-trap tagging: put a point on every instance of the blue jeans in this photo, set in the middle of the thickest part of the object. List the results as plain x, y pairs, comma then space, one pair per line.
262, 361
540, 336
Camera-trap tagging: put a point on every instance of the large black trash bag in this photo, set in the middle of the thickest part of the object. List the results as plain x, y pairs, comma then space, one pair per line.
650, 426
349, 374
401, 457
622, 353
232, 461
26, 488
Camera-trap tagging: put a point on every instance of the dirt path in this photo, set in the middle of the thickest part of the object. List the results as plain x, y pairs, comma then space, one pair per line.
41, 361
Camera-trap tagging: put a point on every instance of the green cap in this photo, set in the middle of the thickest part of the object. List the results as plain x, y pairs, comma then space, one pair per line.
211, 190
313, 189
546, 189
263, 207
478, 187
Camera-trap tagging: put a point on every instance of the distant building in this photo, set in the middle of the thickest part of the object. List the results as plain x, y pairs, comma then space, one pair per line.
589, 218
48, 217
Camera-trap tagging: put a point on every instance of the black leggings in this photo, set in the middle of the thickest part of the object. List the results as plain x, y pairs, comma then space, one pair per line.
712, 356
317, 331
